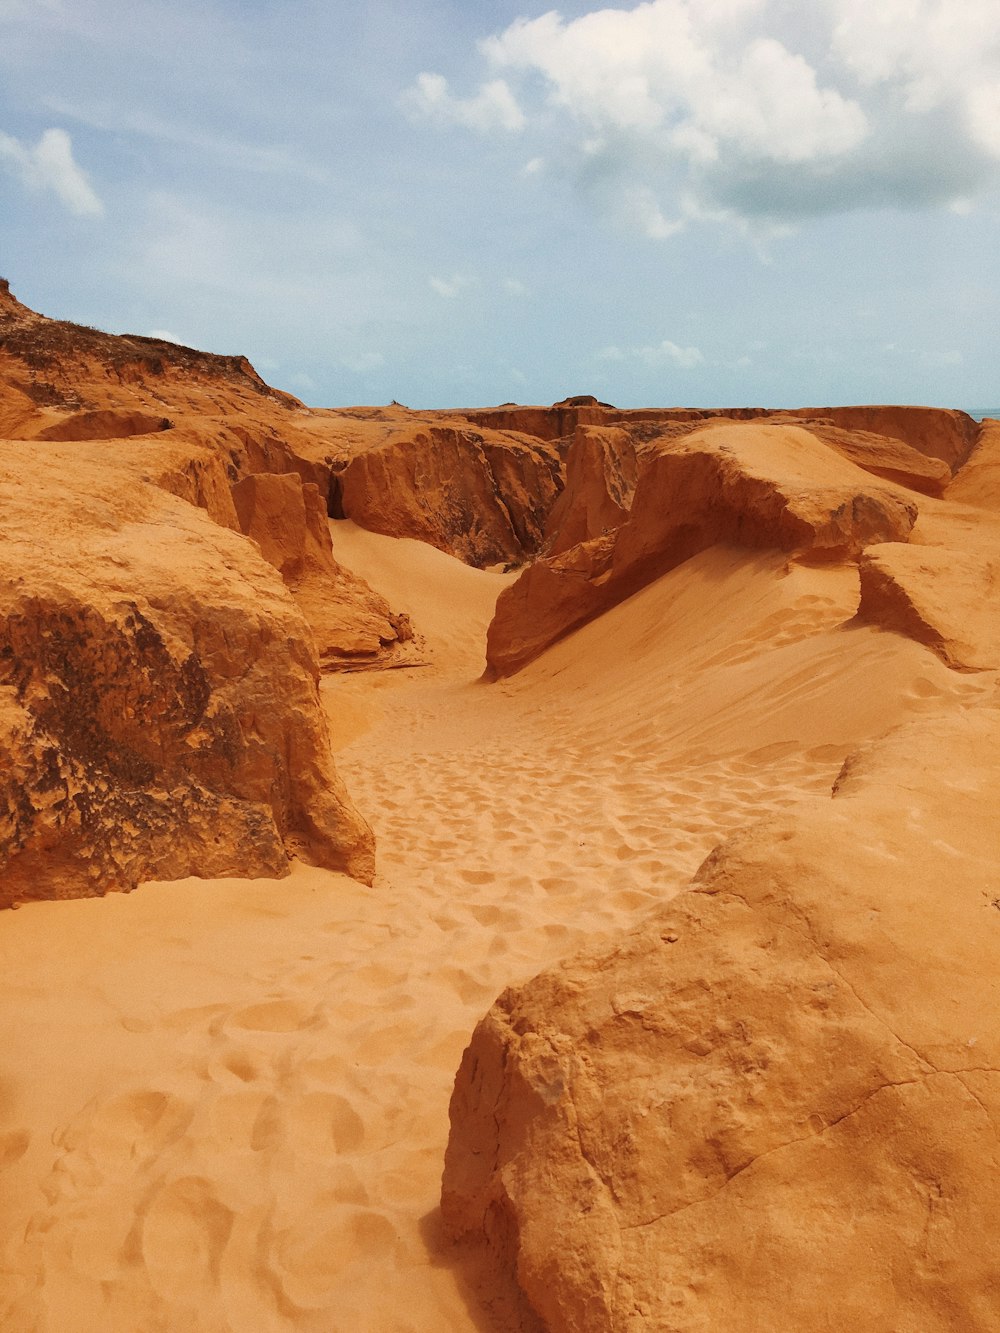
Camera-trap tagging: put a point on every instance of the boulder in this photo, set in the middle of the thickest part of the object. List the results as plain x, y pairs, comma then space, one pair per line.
773, 1104
756, 486
158, 695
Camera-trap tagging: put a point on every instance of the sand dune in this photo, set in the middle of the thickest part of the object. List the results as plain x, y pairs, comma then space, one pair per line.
229, 1109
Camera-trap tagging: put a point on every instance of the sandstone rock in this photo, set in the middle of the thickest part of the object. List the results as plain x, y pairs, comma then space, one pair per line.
104, 426
936, 432
947, 599
160, 708
287, 519
883, 456
773, 1105
755, 486
978, 481
482, 498
601, 471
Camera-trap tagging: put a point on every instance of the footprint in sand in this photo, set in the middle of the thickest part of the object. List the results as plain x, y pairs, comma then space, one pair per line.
322, 1123
273, 1016
184, 1231
99, 1240
314, 1257
117, 1134
243, 1122
13, 1145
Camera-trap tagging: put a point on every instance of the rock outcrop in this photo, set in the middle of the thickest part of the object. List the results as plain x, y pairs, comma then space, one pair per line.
601, 471
483, 497
945, 598
774, 1104
756, 486
159, 687
286, 517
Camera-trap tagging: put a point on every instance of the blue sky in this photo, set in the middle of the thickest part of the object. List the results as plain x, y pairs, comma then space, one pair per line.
701, 202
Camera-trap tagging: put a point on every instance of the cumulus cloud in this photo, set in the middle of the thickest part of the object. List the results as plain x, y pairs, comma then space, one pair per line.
673, 112
50, 165
494, 107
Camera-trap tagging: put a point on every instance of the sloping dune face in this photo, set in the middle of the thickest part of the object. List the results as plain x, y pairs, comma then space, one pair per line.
774, 1103
724, 845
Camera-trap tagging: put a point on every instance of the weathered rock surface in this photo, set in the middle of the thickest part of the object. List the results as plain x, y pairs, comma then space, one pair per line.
160, 706
482, 497
883, 456
775, 1103
287, 519
936, 432
978, 480
945, 598
756, 486
601, 471
940, 433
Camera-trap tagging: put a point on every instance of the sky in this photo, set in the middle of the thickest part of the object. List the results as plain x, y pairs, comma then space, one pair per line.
467, 202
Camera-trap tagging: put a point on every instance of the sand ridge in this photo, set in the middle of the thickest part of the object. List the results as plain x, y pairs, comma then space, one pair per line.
242, 1122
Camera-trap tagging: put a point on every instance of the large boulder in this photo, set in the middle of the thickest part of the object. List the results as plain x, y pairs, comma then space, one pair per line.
773, 1104
160, 711
755, 486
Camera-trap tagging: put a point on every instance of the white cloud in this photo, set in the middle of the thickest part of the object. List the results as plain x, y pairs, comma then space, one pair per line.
668, 353
665, 353
637, 207
451, 287
166, 336
753, 113
494, 107
50, 165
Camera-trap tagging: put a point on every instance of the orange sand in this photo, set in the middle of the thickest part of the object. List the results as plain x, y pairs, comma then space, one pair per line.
223, 1105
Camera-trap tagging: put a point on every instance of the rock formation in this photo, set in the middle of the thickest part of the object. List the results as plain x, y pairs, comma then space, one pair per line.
757, 486
287, 519
774, 1103
479, 495
161, 715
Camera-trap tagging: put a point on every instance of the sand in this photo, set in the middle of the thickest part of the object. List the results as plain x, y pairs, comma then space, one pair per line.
223, 1104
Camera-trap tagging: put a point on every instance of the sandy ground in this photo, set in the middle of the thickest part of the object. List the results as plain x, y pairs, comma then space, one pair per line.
223, 1105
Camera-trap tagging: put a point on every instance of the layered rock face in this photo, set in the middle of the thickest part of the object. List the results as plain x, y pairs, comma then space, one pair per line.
286, 517
483, 497
160, 706
774, 1103
160, 709
757, 486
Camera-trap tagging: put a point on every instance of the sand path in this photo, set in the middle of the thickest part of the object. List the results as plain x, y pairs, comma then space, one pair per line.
223, 1104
